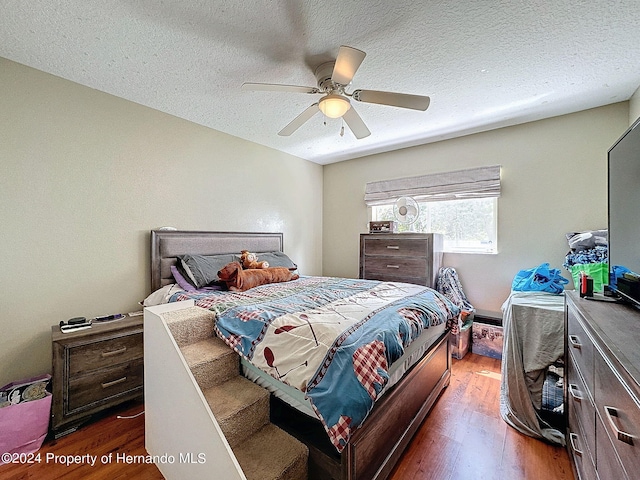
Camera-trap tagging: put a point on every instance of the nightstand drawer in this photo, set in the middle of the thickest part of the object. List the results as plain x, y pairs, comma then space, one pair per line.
396, 246
102, 354
86, 390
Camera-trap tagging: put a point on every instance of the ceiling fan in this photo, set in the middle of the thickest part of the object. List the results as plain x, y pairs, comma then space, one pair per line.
333, 78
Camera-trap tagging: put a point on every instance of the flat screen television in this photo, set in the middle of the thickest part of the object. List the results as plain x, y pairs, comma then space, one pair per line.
624, 209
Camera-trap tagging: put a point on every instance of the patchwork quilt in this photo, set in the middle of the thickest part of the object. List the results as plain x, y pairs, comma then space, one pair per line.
332, 338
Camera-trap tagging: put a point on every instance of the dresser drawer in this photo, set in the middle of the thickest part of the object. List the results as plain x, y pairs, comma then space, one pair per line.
87, 390
399, 279
620, 414
396, 246
104, 353
579, 345
379, 267
577, 448
580, 404
607, 462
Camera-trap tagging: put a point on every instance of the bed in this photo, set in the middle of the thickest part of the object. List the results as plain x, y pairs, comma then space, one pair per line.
410, 385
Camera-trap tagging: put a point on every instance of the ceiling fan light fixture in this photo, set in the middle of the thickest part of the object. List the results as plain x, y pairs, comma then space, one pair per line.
334, 106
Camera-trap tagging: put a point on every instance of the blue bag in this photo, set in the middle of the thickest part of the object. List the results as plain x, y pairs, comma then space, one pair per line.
539, 279
616, 272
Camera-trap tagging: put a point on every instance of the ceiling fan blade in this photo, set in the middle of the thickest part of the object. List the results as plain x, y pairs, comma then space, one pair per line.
347, 63
297, 122
402, 100
356, 124
270, 87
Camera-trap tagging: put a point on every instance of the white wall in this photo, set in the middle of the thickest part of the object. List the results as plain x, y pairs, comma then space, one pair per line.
553, 182
84, 177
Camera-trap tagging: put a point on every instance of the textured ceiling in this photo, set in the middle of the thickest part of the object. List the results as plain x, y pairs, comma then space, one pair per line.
485, 64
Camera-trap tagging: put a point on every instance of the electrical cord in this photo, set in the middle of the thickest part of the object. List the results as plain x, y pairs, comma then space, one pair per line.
130, 416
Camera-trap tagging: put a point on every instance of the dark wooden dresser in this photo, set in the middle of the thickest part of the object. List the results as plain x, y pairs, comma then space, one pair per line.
603, 388
94, 369
401, 257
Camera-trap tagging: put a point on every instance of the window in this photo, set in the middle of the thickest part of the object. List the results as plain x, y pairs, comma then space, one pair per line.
462, 205
468, 226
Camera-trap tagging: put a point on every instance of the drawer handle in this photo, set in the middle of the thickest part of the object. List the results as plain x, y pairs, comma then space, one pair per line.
622, 436
573, 437
393, 247
575, 341
113, 352
573, 388
115, 382
393, 266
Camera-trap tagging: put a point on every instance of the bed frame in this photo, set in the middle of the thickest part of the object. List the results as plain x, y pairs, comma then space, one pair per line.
377, 445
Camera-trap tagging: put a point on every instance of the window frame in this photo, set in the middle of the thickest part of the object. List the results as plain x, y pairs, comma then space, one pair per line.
490, 249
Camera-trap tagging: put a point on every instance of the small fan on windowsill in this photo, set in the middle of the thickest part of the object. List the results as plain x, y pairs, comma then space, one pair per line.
406, 210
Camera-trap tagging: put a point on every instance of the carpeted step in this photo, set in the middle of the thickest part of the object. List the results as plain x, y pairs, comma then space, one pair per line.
272, 454
189, 325
211, 361
240, 406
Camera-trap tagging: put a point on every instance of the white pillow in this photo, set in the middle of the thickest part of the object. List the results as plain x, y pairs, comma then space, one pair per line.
162, 295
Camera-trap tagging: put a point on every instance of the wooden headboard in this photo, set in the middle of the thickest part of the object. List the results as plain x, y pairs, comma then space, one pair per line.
167, 245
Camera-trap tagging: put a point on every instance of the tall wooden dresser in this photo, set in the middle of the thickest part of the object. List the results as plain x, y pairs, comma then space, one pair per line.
401, 257
603, 388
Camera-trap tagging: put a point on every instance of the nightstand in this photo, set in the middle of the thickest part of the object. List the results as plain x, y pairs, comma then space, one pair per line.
95, 369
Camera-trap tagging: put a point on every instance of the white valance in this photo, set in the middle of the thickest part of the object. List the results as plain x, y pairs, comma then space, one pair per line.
478, 182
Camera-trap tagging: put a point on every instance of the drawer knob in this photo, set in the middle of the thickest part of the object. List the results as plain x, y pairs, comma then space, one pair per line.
113, 352
393, 266
393, 247
573, 388
114, 382
622, 436
573, 437
575, 341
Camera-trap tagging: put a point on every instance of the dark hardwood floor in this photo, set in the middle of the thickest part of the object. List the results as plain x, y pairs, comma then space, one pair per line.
464, 437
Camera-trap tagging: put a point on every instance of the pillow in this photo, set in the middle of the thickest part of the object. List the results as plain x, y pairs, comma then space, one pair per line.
277, 259
203, 269
162, 295
180, 280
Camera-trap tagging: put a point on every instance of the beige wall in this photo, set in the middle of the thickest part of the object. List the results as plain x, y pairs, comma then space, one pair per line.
553, 182
84, 176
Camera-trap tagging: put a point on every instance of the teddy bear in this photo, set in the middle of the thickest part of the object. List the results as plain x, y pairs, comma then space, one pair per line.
250, 260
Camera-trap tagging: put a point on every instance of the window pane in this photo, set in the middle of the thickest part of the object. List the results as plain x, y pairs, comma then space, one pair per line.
467, 225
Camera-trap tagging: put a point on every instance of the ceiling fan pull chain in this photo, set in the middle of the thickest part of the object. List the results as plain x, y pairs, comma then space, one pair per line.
342, 129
